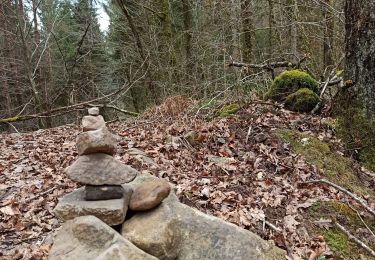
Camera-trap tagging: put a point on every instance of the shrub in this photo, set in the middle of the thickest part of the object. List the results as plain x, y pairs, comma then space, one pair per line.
303, 100
289, 82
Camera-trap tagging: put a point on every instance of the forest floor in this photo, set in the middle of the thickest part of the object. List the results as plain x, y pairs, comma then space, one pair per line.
250, 168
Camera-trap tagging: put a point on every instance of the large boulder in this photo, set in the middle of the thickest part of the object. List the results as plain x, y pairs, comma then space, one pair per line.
96, 141
88, 238
73, 205
174, 230
92, 122
100, 169
149, 195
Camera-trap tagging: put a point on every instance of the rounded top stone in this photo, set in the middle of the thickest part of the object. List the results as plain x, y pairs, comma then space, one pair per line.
93, 111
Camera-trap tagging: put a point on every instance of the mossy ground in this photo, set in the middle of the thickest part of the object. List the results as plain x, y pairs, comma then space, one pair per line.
336, 167
337, 241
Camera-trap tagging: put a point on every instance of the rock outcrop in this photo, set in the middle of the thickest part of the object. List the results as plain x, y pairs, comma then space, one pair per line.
176, 231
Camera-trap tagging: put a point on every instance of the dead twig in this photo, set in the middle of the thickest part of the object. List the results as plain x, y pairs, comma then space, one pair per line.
352, 195
356, 240
40, 194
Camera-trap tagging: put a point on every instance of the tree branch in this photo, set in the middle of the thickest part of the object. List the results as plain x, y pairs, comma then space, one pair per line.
353, 196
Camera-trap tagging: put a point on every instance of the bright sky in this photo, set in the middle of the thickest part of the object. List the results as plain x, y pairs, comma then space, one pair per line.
102, 15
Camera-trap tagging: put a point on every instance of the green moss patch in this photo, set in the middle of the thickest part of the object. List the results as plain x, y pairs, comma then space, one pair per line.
337, 241
336, 167
228, 110
289, 82
303, 100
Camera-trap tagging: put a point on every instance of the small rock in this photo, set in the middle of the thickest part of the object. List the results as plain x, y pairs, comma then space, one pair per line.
149, 195
92, 123
96, 141
206, 192
100, 169
88, 238
141, 156
93, 111
190, 137
106, 192
73, 205
221, 140
260, 138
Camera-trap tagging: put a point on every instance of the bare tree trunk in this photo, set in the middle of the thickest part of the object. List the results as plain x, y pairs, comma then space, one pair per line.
328, 34
247, 28
137, 38
294, 30
271, 24
360, 51
187, 28
4, 54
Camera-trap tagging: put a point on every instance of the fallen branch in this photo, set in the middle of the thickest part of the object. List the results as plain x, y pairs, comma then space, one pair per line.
332, 78
268, 66
66, 109
40, 194
127, 112
353, 196
356, 240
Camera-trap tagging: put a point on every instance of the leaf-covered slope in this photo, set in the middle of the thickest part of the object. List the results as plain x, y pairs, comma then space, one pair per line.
236, 168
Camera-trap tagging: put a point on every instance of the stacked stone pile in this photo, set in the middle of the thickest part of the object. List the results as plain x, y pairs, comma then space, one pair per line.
103, 194
160, 227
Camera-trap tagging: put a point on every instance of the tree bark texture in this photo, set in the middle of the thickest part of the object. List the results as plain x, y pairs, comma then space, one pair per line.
247, 28
360, 51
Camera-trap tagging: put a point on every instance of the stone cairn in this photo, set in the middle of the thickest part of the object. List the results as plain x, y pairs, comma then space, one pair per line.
159, 226
105, 194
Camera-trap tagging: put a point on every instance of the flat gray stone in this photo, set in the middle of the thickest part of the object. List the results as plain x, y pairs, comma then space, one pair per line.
106, 192
100, 169
93, 111
73, 205
96, 141
92, 123
88, 238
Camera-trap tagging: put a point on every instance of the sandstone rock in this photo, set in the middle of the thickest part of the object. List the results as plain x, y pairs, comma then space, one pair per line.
92, 123
106, 192
93, 111
141, 156
88, 238
149, 195
96, 141
176, 231
100, 169
73, 205
162, 242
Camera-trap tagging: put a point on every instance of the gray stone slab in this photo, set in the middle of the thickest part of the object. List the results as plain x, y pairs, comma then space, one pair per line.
73, 205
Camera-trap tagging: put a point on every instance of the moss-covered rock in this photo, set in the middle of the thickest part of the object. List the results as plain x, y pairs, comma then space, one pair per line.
303, 100
289, 82
228, 110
